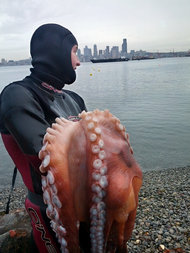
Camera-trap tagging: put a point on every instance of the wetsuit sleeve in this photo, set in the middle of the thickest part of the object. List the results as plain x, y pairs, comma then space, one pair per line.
23, 117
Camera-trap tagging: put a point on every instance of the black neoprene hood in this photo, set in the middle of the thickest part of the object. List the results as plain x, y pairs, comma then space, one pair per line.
50, 49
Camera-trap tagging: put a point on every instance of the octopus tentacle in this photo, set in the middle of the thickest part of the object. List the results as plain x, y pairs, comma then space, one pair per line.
98, 182
63, 222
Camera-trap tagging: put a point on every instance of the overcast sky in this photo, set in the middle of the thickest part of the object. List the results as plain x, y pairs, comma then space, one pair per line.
151, 25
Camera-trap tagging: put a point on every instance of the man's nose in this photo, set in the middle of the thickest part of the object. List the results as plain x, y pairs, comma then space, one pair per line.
78, 62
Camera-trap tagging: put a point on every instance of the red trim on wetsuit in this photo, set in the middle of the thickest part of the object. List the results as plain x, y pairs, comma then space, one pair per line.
42, 237
44, 240
49, 87
21, 160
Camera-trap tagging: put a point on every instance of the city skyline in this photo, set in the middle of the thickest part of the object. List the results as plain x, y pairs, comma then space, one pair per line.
118, 47
149, 25
103, 47
108, 52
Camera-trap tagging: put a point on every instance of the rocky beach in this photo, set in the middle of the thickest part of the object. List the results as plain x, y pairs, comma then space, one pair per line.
163, 217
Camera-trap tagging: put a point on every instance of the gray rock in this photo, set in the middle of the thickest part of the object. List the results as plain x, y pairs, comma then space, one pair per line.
15, 230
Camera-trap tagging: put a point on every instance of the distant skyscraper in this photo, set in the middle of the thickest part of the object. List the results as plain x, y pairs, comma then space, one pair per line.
107, 51
79, 53
115, 52
95, 51
124, 48
101, 54
3, 61
87, 53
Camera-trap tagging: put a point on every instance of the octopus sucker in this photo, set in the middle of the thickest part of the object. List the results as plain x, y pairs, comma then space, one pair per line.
95, 149
93, 137
119, 126
44, 146
102, 155
91, 125
101, 143
46, 161
97, 164
44, 182
50, 178
98, 130
84, 181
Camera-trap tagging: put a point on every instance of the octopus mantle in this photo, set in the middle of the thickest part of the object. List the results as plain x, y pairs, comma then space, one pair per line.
91, 176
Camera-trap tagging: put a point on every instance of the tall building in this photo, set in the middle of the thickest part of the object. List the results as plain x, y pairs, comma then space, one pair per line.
107, 52
115, 52
124, 48
87, 53
79, 53
3, 61
101, 56
95, 51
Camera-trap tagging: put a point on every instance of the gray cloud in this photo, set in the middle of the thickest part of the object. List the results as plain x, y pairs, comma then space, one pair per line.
148, 24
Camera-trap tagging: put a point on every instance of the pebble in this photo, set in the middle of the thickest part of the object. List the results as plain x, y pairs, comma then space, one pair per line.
162, 247
163, 216
17, 198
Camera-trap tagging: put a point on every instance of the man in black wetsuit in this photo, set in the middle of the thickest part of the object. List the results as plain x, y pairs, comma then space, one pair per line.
29, 106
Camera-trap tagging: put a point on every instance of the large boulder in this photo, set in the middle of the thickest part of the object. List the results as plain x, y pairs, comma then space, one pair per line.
15, 230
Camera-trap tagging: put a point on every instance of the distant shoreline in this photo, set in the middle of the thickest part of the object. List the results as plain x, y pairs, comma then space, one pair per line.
154, 55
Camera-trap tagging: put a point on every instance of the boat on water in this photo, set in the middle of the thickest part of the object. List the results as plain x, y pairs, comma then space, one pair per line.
109, 60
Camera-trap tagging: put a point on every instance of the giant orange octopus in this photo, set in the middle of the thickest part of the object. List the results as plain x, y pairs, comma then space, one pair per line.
91, 176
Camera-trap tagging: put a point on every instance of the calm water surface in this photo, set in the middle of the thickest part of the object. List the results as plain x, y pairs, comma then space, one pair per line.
151, 98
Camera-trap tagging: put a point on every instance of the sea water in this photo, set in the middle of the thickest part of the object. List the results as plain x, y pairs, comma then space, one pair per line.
150, 97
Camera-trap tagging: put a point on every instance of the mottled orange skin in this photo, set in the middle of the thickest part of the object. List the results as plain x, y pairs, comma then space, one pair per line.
72, 165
